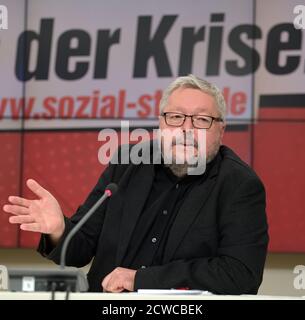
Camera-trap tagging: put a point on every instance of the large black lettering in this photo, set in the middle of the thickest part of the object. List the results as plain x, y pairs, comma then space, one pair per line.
250, 55
104, 41
215, 45
65, 51
189, 39
44, 39
275, 45
148, 46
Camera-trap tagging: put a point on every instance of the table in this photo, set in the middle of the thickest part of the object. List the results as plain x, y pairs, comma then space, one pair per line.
134, 296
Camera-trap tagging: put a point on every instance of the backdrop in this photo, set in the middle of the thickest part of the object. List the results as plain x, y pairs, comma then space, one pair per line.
70, 68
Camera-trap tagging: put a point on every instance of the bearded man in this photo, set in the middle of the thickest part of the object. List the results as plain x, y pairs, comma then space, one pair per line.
194, 220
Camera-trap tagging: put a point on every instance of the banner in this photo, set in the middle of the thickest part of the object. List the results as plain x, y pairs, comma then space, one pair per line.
72, 66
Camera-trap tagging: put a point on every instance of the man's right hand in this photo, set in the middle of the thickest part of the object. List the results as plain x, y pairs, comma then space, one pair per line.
41, 215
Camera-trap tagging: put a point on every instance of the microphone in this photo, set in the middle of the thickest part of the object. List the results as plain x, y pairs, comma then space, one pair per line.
48, 279
110, 190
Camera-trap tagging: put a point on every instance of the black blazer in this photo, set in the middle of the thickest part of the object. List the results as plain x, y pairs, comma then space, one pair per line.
218, 241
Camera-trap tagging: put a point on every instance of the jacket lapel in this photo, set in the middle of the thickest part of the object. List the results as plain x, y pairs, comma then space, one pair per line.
135, 196
189, 211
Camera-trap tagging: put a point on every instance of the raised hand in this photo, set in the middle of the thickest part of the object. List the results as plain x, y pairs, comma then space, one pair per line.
40, 215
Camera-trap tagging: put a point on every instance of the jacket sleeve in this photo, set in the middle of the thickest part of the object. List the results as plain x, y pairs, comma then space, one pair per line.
238, 266
83, 245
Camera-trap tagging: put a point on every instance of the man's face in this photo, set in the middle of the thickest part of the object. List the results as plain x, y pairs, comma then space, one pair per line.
191, 102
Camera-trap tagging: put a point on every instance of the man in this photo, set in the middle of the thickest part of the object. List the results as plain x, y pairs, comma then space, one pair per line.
165, 227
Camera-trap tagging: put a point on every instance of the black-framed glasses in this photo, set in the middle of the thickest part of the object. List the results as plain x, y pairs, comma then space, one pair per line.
199, 121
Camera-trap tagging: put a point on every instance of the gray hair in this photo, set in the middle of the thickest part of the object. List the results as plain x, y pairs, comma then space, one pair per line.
194, 82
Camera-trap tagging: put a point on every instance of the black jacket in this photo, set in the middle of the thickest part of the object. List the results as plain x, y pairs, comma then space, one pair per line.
218, 241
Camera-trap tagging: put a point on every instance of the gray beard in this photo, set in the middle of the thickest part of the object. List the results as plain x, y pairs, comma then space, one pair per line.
181, 170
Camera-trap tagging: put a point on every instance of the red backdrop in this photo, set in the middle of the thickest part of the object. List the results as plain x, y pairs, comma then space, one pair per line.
66, 163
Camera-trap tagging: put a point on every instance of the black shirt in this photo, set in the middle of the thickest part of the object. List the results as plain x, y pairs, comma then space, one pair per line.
149, 238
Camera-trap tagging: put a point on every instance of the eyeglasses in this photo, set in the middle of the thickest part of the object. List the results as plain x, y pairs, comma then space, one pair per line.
199, 121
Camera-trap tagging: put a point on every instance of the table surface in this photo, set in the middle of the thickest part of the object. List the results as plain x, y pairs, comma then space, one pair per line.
135, 296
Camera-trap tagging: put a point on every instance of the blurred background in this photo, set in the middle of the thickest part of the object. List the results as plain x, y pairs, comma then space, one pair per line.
71, 68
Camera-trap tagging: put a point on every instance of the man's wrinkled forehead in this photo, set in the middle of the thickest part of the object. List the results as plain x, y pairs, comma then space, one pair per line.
190, 101
189, 109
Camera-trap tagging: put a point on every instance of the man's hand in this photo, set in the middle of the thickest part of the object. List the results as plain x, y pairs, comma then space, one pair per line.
119, 279
40, 215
